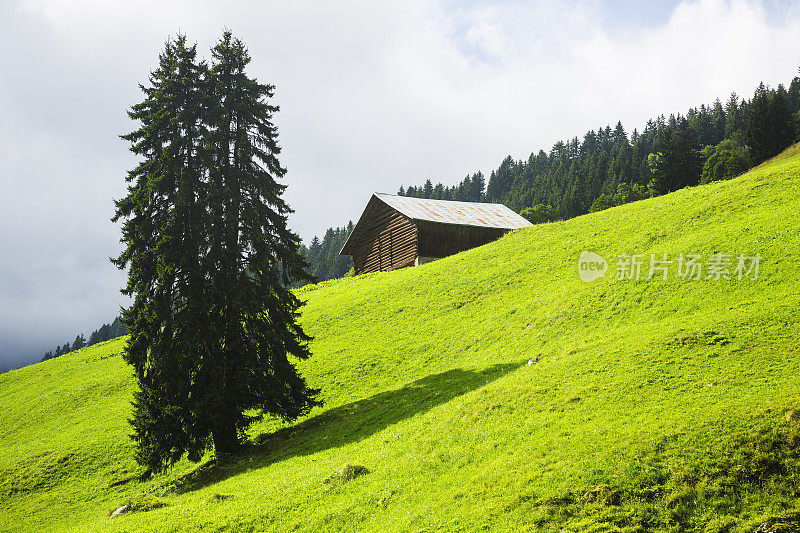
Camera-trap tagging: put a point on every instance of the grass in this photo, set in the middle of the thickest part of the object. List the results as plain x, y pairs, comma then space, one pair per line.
654, 405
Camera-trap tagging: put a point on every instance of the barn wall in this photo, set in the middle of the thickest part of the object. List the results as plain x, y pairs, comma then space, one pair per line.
388, 242
441, 240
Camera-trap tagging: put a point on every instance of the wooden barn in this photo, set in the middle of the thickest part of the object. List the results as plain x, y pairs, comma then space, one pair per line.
400, 231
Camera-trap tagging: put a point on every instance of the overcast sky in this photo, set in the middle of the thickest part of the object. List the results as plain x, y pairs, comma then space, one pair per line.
373, 95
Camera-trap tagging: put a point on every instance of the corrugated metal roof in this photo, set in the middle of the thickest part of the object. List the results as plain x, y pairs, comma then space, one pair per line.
446, 212
463, 213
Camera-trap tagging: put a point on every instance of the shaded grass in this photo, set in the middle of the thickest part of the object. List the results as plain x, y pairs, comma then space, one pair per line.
345, 424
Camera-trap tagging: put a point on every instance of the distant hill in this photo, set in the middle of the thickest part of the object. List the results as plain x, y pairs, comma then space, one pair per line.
608, 167
492, 389
116, 328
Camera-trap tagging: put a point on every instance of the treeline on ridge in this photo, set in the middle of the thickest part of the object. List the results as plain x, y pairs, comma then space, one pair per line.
609, 168
106, 332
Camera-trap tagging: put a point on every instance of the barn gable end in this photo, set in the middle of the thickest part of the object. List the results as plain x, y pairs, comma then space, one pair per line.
388, 239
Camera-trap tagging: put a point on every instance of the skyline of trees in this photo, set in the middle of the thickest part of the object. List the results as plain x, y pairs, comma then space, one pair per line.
608, 167
106, 332
323, 256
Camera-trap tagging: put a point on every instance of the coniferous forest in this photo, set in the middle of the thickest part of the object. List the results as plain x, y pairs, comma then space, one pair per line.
609, 167
106, 332
323, 256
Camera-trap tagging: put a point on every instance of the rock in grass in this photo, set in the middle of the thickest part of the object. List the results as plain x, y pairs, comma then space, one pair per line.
140, 503
347, 473
771, 526
120, 510
217, 498
789, 522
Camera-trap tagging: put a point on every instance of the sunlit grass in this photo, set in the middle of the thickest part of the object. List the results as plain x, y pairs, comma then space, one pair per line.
654, 405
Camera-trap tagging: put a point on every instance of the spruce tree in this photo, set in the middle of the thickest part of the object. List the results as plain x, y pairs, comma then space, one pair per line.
679, 162
758, 125
79, 342
781, 131
258, 257
210, 258
688, 159
117, 329
427, 189
167, 321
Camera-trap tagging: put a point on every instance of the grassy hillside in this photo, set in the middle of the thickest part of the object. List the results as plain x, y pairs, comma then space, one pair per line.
654, 405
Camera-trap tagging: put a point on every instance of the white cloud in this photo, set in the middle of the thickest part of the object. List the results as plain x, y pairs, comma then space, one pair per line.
374, 95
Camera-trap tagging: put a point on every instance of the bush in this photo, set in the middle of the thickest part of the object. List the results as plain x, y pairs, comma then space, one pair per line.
540, 213
726, 161
625, 194
347, 473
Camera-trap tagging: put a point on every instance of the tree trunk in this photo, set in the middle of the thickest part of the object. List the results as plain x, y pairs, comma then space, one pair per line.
226, 440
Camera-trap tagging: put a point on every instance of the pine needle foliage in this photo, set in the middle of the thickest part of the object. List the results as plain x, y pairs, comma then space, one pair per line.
210, 259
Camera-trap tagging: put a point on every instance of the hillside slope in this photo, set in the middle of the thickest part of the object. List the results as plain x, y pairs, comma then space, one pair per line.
655, 405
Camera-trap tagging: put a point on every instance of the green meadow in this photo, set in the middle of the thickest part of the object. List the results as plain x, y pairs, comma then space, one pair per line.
648, 405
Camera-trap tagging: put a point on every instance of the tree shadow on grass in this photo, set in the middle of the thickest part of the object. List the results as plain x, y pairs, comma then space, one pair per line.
345, 424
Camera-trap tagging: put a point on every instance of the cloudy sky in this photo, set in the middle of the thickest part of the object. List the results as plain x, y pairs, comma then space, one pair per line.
373, 95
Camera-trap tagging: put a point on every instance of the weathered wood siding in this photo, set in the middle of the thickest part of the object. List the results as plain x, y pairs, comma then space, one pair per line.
389, 240
440, 240
386, 239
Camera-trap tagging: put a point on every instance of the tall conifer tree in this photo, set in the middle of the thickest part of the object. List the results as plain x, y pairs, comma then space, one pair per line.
210, 259
758, 133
